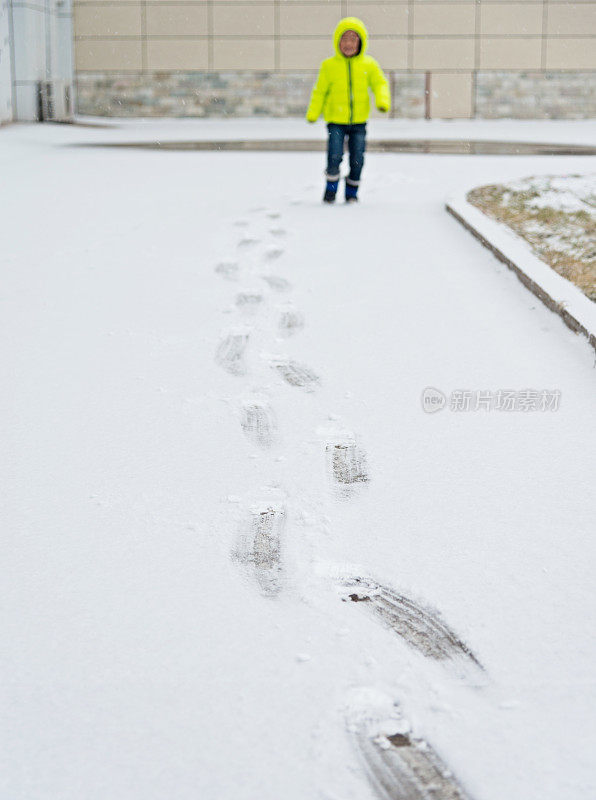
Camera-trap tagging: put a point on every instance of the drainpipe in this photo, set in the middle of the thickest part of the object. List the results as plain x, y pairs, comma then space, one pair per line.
47, 101
427, 95
13, 77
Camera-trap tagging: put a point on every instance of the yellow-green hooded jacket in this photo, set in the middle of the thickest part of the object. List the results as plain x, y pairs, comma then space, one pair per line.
341, 90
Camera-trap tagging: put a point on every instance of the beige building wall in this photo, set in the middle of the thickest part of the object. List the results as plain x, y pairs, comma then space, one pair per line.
450, 40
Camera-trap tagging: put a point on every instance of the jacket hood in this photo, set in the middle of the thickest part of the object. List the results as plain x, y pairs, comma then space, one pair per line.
350, 24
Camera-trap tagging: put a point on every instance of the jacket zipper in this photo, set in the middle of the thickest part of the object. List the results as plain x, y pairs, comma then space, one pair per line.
350, 91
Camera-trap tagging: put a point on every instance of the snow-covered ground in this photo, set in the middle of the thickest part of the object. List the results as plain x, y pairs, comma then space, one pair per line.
110, 129
181, 516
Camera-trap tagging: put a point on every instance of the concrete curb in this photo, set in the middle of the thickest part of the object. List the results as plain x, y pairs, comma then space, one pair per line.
470, 147
557, 293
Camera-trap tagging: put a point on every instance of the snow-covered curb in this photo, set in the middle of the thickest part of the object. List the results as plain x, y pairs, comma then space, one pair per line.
559, 294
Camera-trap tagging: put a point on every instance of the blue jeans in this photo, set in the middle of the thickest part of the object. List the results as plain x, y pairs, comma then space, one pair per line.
335, 150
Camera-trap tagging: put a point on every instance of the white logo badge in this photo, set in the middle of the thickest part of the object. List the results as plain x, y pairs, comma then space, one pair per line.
432, 400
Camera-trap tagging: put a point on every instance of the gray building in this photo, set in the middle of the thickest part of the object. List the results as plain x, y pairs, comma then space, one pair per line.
36, 60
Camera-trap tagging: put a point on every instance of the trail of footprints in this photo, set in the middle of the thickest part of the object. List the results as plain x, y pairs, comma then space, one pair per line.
231, 352
400, 765
260, 537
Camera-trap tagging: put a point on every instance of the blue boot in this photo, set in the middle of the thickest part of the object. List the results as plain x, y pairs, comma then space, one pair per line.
330, 191
351, 191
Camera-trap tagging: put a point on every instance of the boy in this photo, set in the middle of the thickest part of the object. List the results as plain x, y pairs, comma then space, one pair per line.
341, 93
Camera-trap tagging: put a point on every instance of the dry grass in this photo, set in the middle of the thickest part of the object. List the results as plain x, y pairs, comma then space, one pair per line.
565, 238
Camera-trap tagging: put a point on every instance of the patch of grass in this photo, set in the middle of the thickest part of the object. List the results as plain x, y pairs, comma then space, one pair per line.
565, 240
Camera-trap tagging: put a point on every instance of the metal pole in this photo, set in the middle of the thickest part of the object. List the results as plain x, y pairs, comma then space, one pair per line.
427, 95
47, 88
13, 77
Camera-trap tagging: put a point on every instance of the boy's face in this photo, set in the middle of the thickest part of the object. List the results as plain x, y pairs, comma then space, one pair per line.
349, 44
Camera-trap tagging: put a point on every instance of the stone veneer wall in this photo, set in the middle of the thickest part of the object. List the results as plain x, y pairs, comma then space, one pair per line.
515, 95
208, 94
535, 95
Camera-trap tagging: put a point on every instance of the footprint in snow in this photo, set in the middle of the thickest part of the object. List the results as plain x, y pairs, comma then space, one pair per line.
247, 241
420, 626
276, 283
231, 351
295, 374
346, 460
257, 420
398, 763
227, 269
273, 252
249, 301
259, 544
290, 321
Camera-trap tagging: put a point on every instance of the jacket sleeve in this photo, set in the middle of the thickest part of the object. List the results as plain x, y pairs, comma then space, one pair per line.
317, 98
380, 87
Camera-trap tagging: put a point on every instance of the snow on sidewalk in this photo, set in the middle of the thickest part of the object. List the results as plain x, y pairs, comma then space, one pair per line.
115, 129
215, 437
